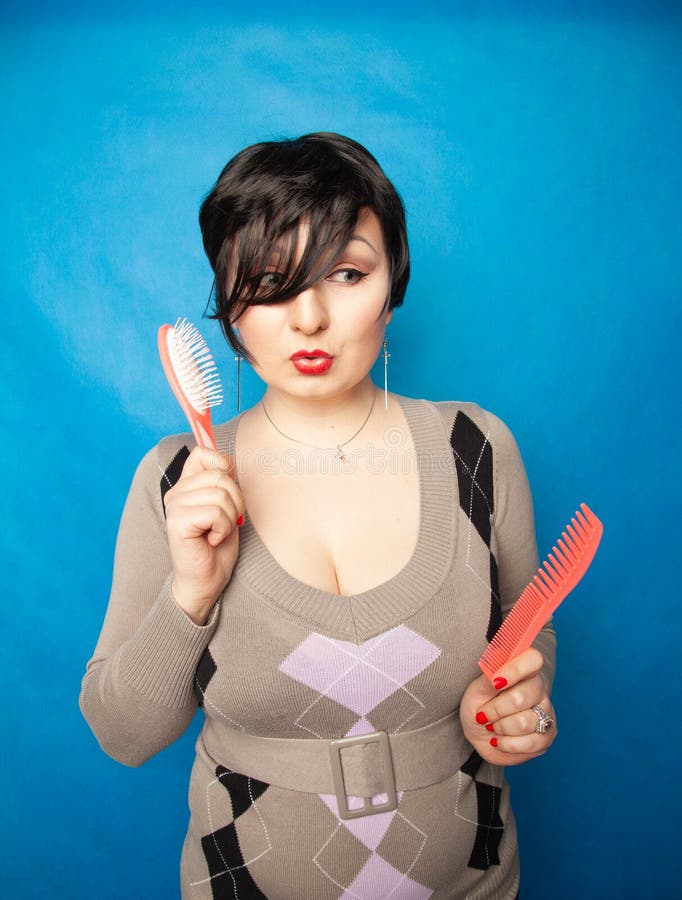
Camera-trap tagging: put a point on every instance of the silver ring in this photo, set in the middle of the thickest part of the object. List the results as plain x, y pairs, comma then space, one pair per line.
545, 722
213, 461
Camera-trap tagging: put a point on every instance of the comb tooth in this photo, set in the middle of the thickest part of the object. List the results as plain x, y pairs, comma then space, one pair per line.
579, 528
575, 539
567, 559
586, 516
570, 543
526, 611
576, 533
506, 637
555, 569
560, 560
544, 587
558, 574
590, 529
569, 555
545, 575
548, 575
593, 522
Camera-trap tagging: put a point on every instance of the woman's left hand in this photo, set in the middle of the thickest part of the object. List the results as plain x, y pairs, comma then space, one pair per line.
501, 723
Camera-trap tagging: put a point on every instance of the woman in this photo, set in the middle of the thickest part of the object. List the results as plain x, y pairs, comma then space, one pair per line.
325, 584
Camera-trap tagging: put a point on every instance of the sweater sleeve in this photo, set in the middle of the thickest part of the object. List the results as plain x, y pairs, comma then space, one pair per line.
514, 526
138, 694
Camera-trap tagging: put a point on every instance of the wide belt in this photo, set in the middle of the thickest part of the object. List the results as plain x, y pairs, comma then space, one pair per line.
355, 769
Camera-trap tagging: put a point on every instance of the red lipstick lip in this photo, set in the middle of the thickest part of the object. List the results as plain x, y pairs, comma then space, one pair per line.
310, 354
312, 362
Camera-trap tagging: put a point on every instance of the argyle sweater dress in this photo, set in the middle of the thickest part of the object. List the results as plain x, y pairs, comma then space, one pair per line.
281, 659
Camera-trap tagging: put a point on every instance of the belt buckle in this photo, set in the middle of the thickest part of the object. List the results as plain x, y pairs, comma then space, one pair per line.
368, 809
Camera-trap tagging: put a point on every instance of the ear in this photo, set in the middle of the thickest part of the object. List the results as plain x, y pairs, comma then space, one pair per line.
389, 316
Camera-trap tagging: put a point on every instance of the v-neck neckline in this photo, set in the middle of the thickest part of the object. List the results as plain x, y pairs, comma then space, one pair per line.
363, 615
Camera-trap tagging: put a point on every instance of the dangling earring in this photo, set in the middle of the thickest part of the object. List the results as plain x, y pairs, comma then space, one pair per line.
238, 359
386, 356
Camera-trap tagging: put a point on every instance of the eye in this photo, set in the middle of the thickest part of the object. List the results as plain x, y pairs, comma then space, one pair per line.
268, 281
346, 276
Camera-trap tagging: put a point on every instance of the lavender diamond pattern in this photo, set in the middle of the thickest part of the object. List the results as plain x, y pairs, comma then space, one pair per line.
368, 829
380, 879
360, 677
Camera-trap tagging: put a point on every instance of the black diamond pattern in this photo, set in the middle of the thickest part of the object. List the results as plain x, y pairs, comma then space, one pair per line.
230, 877
489, 824
490, 827
173, 473
472, 765
243, 790
495, 619
475, 477
205, 671
474, 463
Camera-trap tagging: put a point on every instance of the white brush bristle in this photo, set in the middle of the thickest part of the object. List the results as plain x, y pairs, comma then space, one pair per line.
194, 366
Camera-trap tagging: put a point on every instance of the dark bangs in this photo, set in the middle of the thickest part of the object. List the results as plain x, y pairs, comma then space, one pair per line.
263, 247
250, 222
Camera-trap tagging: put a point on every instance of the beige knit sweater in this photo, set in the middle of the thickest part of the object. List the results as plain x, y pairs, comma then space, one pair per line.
281, 659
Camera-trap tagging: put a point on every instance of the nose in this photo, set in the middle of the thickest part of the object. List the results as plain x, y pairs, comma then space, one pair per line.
308, 312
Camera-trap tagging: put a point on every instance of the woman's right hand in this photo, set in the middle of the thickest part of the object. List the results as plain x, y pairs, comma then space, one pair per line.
203, 511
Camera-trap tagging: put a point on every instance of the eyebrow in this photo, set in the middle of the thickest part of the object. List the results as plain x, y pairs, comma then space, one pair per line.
358, 237
354, 237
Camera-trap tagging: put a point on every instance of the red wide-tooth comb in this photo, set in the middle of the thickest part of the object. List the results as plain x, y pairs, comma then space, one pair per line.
556, 578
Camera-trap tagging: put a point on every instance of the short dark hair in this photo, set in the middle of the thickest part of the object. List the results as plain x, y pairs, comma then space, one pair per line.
252, 215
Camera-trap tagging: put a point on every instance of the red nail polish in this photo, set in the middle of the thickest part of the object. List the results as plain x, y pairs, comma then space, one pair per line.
493, 742
490, 727
499, 683
240, 521
481, 718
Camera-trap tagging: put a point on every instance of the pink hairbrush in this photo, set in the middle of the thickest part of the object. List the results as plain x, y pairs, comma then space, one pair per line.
192, 374
556, 578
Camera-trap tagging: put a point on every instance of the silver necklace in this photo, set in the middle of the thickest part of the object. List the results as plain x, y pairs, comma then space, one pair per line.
340, 455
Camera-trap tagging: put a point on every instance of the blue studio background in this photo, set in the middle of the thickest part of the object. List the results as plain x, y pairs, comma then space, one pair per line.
537, 148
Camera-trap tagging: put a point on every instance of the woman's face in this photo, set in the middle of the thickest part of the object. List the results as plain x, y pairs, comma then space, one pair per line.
323, 342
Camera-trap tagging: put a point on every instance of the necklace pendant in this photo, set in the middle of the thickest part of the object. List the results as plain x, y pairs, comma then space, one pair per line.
340, 455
